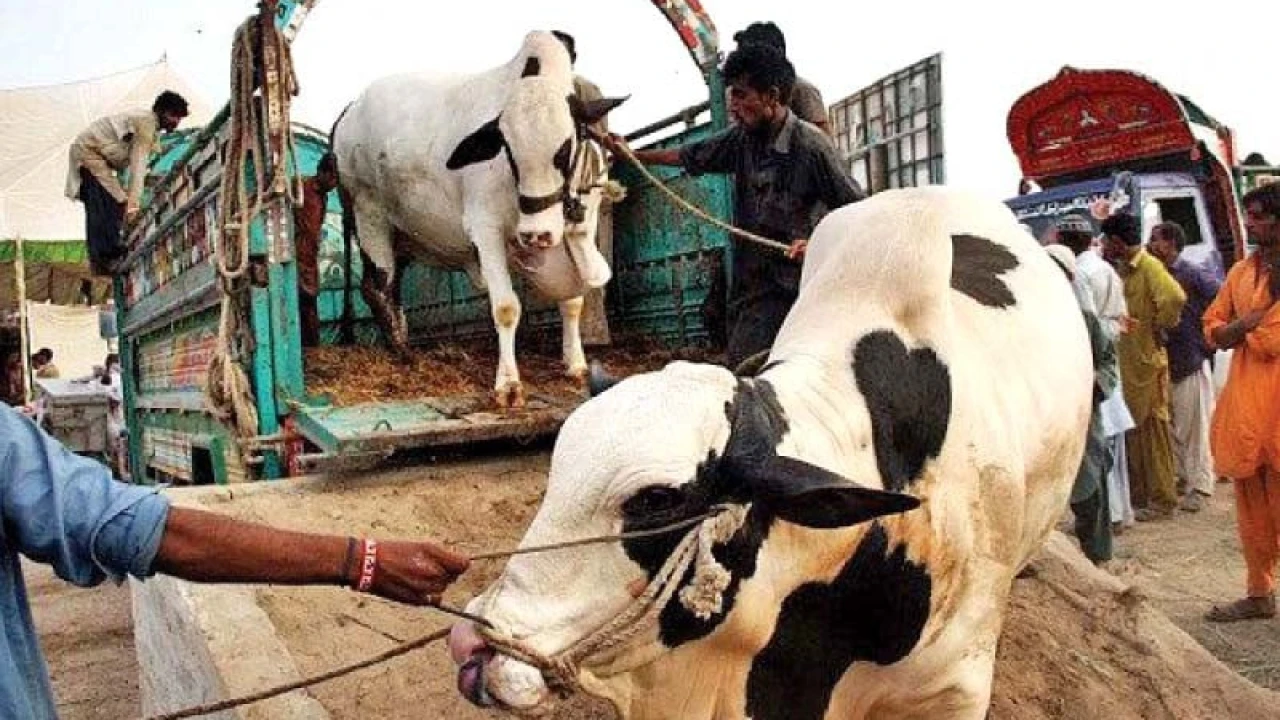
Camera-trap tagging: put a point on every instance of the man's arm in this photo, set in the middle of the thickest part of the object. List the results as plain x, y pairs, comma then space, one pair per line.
144, 138
835, 186
716, 154
206, 547
1169, 298
66, 511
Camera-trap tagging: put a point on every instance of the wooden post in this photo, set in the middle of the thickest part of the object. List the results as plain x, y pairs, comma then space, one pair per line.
20, 276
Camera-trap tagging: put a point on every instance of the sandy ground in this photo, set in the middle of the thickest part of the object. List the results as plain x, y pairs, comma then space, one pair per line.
87, 637
1074, 648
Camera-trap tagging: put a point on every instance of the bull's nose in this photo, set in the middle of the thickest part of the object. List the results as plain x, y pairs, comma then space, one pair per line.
536, 239
472, 682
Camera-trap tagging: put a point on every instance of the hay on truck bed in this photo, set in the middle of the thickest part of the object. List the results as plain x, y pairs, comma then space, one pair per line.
350, 375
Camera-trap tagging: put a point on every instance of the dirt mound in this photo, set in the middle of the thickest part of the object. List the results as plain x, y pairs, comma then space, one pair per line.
1080, 644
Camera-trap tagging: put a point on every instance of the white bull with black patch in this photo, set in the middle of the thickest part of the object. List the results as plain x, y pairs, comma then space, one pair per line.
904, 453
469, 173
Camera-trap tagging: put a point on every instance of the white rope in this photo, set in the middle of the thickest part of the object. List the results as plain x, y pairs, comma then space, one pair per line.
703, 596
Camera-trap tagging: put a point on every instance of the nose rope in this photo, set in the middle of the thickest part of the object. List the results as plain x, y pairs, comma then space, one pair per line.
703, 596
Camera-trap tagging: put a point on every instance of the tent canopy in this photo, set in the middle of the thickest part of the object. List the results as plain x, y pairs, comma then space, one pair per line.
37, 126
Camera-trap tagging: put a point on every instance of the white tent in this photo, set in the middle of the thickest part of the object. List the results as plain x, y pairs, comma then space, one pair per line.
37, 125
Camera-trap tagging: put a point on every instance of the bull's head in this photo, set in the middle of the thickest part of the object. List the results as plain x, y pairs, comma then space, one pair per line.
653, 450
557, 166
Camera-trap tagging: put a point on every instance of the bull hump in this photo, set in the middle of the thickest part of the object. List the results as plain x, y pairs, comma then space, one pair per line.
977, 269
874, 611
908, 398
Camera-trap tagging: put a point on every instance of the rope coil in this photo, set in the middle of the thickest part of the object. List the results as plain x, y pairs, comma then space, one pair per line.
228, 391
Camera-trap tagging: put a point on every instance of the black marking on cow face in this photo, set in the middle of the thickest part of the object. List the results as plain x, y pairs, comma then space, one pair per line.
750, 471
976, 267
908, 396
873, 611
480, 146
758, 424
532, 67
563, 157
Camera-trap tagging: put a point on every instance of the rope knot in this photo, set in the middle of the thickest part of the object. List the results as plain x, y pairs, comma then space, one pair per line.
704, 596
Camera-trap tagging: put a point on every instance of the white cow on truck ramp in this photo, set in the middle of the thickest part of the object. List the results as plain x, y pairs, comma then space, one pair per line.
478, 173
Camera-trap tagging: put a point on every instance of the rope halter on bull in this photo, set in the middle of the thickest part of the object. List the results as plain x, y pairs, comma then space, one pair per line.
703, 596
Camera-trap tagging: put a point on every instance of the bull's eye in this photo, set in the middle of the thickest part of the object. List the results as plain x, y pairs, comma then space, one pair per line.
653, 502
563, 156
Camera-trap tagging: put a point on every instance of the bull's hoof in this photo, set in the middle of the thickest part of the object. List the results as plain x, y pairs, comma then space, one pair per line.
578, 374
509, 396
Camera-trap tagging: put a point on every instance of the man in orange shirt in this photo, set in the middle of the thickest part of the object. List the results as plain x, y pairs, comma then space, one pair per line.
1245, 436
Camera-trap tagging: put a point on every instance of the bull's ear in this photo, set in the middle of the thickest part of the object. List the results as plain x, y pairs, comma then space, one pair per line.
590, 112
480, 146
808, 495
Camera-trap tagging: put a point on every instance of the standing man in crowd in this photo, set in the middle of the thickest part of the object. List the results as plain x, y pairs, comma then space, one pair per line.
123, 141
1245, 436
1192, 386
1105, 290
805, 101
787, 173
1155, 301
65, 510
308, 222
1089, 492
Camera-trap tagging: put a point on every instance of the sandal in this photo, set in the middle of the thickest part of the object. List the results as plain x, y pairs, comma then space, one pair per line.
1250, 608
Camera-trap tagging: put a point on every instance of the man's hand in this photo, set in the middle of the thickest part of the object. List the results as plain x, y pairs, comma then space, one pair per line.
1252, 319
798, 248
614, 143
130, 212
415, 573
1128, 324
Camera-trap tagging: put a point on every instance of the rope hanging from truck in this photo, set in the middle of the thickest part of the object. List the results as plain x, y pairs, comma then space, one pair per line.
244, 192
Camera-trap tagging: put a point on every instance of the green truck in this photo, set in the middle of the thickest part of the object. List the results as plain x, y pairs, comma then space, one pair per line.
216, 388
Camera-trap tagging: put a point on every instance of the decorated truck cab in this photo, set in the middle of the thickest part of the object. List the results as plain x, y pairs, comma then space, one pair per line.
1115, 134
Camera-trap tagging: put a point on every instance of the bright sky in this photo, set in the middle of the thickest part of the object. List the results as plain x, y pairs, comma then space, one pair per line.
993, 51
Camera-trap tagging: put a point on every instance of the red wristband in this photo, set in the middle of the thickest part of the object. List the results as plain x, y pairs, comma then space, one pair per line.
368, 565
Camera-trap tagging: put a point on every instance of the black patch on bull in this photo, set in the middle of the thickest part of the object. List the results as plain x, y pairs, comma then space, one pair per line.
758, 424
908, 396
976, 267
480, 146
873, 611
532, 67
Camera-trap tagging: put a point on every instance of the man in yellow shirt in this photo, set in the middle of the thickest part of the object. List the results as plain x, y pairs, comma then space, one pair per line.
110, 144
1155, 303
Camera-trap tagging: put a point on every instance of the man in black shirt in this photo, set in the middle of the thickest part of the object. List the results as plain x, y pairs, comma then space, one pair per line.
787, 176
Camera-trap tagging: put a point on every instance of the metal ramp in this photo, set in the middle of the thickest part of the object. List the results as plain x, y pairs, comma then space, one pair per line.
430, 422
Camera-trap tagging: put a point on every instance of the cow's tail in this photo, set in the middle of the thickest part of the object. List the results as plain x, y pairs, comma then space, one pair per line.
347, 324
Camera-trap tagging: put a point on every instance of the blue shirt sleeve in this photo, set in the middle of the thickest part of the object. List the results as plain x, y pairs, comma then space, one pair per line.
67, 511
